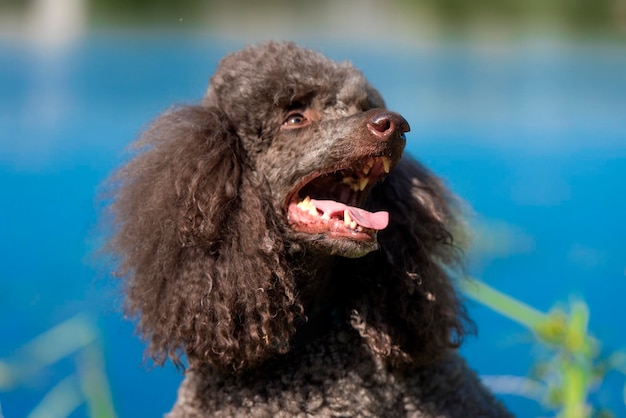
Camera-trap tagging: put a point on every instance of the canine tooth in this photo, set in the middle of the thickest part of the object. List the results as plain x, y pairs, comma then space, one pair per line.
363, 183
346, 218
353, 225
306, 206
386, 164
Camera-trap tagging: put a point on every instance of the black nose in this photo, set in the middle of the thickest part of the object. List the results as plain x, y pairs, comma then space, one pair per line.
385, 124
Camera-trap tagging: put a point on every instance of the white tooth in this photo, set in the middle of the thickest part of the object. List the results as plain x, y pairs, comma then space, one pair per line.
353, 225
386, 164
363, 183
326, 216
306, 206
346, 218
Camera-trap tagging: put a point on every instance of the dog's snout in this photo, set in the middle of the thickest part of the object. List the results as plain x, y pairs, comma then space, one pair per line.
385, 124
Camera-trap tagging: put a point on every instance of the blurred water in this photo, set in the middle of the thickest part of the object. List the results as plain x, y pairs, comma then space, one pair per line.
532, 135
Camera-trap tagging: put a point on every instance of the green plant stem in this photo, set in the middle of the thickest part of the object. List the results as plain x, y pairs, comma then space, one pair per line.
94, 383
503, 304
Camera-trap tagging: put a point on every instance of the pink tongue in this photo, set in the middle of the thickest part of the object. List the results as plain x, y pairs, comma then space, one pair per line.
376, 220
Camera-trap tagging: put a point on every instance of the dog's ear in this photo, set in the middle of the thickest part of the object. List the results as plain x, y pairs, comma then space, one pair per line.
197, 241
408, 310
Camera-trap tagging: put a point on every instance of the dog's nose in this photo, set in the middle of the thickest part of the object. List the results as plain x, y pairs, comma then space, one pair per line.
385, 124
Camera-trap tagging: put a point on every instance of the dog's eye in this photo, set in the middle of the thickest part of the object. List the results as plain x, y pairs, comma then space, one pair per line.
295, 119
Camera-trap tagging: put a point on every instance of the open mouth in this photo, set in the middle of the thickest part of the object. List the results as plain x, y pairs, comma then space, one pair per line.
328, 203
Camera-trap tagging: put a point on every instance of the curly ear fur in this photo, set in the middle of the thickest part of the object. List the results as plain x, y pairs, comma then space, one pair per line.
407, 310
200, 246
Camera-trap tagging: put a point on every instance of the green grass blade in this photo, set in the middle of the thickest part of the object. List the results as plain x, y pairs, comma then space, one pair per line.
60, 401
59, 342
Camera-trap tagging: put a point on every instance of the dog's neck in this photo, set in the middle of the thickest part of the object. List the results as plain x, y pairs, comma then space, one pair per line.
318, 292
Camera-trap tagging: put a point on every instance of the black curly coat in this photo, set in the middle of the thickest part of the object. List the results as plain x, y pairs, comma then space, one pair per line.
285, 305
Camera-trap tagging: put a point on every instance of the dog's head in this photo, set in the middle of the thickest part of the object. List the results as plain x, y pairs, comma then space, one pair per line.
291, 169
321, 136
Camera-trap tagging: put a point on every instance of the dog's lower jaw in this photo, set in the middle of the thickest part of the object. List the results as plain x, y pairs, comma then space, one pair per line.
353, 249
343, 247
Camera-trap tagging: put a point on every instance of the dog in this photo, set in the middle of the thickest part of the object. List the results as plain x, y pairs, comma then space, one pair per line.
277, 236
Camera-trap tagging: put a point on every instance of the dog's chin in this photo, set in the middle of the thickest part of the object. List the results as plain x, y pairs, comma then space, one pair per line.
348, 247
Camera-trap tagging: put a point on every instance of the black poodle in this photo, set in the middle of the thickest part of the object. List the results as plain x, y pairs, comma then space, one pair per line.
275, 236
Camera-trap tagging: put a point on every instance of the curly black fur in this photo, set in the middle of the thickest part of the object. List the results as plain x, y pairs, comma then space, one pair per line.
213, 268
